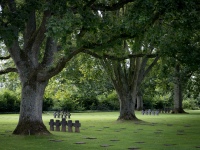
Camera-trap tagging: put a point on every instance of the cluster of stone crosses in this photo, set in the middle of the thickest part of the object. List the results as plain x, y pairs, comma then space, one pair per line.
150, 112
61, 114
64, 124
156, 112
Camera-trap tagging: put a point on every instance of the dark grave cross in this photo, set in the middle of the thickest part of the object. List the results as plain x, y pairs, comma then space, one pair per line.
70, 124
68, 114
65, 115
64, 124
143, 112
153, 112
157, 112
57, 125
54, 114
51, 123
62, 114
146, 112
77, 125
58, 114
149, 112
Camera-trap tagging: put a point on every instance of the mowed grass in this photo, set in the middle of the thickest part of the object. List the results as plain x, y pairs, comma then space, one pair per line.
163, 132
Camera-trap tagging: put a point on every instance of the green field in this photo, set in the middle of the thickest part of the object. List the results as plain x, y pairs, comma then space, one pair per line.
101, 131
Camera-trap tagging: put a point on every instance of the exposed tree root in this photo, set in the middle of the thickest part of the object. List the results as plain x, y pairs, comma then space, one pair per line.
128, 117
179, 111
31, 128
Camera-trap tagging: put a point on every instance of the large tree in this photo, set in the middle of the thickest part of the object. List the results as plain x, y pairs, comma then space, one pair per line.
41, 37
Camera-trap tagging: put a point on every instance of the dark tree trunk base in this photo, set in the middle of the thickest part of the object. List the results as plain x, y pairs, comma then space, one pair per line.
31, 128
179, 111
128, 117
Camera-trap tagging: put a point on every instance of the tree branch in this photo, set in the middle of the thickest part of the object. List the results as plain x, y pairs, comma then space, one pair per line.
119, 58
151, 66
4, 58
123, 36
38, 36
116, 6
7, 70
51, 48
60, 65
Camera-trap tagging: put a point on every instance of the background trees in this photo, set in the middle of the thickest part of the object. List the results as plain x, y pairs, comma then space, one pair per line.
41, 37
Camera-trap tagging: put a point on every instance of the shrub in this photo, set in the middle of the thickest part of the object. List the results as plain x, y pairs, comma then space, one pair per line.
190, 104
109, 102
9, 101
87, 103
47, 104
68, 105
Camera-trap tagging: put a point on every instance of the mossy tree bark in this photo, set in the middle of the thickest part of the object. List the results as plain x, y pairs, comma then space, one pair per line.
30, 120
178, 96
126, 79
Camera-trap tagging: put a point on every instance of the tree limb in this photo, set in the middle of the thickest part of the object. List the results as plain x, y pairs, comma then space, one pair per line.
151, 66
116, 6
60, 65
4, 58
7, 70
37, 38
119, 58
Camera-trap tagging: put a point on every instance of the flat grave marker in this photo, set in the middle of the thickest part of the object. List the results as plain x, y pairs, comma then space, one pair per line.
80, 142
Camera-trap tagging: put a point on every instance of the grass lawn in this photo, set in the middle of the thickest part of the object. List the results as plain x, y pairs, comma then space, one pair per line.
101, 131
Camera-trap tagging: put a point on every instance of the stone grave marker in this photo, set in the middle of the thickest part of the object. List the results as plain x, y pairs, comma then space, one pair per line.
58, 114
157, 112
57, 125
65, 115
133, 148
90, 138
51, 123
77, 125
70, 125
64, 124
61, 114
169, 144
53, 140
149, 112
146, 112
142, 112
105, 145
69, 115
114, 140
55, 114
140, 142
153, 112
80, 143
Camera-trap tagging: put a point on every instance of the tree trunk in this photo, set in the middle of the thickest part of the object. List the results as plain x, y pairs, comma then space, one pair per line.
30, 120
139, 102
127, 106
178, 97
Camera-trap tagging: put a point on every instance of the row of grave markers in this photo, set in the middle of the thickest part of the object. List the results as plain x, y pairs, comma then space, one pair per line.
150, 112
156, 112
61, 114
64, 124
